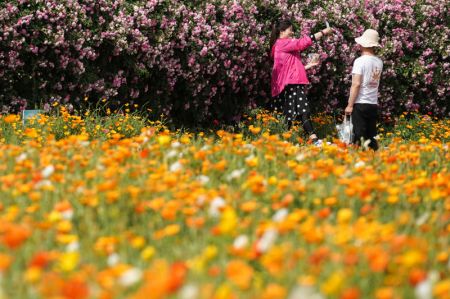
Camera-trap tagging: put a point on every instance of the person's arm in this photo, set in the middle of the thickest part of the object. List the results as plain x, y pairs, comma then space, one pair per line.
322, 33
300, 44
296, 44
354, 92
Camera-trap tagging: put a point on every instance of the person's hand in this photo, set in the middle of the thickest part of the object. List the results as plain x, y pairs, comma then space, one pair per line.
348, 110
327, 31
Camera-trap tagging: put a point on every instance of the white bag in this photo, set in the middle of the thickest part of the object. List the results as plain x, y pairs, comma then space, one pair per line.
345, 130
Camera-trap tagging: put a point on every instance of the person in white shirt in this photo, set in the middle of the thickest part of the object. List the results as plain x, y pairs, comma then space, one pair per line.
363, 100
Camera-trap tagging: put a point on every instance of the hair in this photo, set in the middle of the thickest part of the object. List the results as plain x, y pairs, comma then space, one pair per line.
277, 28
373, 49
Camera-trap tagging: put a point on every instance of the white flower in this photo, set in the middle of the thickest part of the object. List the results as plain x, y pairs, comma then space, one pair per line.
348, 173
305, 292
172, 153
215, 206
280, 215
113, 259
240, 242
130, 277
203, 179
300, 157
48, 171
235, 174
360, 164
72, 247
146, 134
267, 240
189, 291
251, 157
201, 200
249, 146
358, 243
176, 144
176, 166
424, 290
43, 183
433, 276
422, 219
21, 157
67, 215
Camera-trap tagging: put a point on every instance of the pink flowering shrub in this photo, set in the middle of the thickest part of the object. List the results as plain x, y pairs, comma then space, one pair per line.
200, 60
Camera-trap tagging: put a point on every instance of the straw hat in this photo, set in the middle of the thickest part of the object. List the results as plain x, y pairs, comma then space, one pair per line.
369, 39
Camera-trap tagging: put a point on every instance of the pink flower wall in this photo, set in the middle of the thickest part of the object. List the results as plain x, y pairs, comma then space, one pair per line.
199, 60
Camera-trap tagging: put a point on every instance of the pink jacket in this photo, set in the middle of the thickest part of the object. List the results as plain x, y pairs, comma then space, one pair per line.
288, 67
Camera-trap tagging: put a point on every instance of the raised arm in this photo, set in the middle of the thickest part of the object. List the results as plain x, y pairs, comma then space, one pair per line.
300, 44
296, 44
322, 33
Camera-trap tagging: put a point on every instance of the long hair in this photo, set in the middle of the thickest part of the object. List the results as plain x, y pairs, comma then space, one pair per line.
277, 28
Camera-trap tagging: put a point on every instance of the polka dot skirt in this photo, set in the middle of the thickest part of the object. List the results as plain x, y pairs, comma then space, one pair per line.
292, 102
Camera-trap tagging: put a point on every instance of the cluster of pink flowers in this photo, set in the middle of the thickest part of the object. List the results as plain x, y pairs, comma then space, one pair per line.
209, 59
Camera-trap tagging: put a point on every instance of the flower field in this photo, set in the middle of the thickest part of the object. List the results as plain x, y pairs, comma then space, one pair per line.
208, 59
120, 207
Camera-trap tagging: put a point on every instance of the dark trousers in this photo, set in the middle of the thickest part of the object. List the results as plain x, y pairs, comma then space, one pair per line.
305, 120
364, 118
295, 106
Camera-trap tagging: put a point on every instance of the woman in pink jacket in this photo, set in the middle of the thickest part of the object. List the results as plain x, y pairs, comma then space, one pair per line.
289, 75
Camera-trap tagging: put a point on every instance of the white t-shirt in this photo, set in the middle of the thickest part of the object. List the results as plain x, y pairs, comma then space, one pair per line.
370, 67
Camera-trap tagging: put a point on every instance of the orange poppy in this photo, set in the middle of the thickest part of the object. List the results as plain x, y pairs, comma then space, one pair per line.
239, 273
351, 293
178, 273
15, 235
416, 276
75, 288
5, 262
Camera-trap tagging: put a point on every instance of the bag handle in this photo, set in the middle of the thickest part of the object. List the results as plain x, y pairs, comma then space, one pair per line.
347, 117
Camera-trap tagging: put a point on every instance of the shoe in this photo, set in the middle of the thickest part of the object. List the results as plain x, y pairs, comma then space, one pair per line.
318, 142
